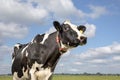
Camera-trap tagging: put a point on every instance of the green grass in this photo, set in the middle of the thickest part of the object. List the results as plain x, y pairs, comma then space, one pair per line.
5, 77
82, 77
73, 77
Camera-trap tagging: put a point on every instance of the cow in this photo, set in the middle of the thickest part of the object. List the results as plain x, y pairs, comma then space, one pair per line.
37, 59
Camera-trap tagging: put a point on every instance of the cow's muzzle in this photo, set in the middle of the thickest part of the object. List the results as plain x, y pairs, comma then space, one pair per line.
83, 40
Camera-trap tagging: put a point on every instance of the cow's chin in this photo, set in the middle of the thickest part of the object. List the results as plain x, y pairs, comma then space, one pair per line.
82, 44
72, 45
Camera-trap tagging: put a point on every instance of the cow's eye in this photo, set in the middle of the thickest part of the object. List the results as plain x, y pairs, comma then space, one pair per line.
66, 28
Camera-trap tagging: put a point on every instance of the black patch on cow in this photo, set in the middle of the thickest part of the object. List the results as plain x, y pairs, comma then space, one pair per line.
38, 38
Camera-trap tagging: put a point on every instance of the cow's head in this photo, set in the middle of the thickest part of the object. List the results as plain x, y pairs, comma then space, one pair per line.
70, 34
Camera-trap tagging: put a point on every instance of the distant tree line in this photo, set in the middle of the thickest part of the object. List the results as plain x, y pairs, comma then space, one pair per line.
89, 74
85, 73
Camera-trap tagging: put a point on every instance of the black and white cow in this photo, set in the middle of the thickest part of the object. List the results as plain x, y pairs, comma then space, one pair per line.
37, 59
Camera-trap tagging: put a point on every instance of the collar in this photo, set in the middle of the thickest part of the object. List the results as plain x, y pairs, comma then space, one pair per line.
62, 49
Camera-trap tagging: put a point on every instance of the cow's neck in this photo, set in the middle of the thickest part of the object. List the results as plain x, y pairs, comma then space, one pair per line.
52, 51
62, 48
54, 40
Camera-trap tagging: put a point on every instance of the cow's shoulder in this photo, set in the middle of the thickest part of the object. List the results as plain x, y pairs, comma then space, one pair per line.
38, 38
36, 50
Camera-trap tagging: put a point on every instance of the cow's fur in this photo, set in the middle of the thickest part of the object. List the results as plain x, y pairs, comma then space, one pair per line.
37, 59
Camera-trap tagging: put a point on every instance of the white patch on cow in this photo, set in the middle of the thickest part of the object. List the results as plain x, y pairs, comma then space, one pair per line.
25, 73
74, 27
13, 59
45, 37
24, 48
24, 77
62, 45
15, 77
17, 45
44, 74
26, 54
32, 71
33, 41
41, 74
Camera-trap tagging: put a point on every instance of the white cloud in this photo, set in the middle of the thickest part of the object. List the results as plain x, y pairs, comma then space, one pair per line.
1, 41
78, 63
5, 68
97, 11
58, 7
64, 9
90, 30
12, 30
14, 11
116, 58
38, 11
61, 65
100, 59
4, 50
74, 70
113, 49
51, 30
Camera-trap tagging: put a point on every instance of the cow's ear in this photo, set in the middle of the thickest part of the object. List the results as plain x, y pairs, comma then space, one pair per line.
81, 28
57, 26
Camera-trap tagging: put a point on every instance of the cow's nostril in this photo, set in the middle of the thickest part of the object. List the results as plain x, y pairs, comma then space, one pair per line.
85, 40
82, 38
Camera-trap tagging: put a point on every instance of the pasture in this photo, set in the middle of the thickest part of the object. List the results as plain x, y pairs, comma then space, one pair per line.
74, 77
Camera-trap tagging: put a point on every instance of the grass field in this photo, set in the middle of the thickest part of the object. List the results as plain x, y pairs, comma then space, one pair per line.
73, 77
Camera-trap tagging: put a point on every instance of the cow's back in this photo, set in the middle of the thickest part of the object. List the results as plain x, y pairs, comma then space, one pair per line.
24, 56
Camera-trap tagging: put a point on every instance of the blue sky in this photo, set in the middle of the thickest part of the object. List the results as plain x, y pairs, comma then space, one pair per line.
21, 20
